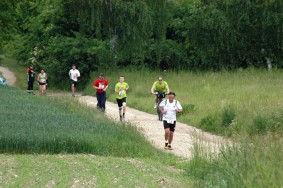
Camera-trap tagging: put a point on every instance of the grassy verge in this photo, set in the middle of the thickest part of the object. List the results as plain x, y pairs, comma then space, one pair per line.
256, 164
83, 170
227, 103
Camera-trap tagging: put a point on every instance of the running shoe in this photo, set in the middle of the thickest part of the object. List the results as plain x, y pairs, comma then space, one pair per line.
166, 146
169, 147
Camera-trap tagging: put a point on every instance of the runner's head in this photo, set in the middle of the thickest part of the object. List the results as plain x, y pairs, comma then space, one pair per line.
160, 79
171, 96
74, 66
42, 71
101, 76
122, 79
31, 66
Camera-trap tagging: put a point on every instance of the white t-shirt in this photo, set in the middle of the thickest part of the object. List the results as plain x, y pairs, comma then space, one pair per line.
170, 108
74, 74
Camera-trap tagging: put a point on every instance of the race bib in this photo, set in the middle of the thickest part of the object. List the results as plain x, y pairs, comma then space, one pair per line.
101, 86
170, 121
121, 92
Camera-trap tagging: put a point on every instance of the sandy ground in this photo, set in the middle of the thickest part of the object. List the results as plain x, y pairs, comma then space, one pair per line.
185, 137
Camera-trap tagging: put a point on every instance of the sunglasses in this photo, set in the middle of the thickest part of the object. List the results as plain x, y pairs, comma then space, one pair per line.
160, 80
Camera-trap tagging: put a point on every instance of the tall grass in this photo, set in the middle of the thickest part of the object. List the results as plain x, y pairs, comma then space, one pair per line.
256, 164
230, 101
36, 124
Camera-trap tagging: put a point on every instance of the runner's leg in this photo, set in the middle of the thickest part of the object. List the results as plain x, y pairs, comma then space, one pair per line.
170, 137
103, 101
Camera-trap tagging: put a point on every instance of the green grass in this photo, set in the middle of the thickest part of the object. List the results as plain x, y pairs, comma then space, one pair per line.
38, 134
36, 124
83, 170
225, 103
245, 104
256, 164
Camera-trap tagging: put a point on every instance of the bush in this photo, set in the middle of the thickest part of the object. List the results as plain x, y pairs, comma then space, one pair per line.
275, 123
209, 123
228, 115
259, 125
187, 109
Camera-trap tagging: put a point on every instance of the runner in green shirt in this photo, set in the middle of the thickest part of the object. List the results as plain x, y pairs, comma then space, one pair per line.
121, 96
159, 86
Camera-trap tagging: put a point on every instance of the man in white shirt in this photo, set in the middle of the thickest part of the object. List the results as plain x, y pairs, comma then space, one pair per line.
74, 75
169, 108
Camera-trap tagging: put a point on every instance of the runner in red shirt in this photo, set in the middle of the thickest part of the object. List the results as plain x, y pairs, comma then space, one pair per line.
101, 84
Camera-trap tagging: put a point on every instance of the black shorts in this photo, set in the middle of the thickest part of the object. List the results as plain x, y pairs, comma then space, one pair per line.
40, 83
121, 101
74, 82
169, 125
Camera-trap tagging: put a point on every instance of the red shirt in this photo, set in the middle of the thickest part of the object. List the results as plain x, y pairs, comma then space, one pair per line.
101, 84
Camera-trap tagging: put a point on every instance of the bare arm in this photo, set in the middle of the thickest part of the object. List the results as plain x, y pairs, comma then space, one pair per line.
153, 89
105, 88
167, 89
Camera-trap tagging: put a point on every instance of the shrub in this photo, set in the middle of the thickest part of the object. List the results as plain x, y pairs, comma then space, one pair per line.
228, 115
259, 125
209, 123
275, 123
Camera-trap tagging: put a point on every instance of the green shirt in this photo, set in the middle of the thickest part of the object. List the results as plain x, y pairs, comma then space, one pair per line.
160, 87
122, 94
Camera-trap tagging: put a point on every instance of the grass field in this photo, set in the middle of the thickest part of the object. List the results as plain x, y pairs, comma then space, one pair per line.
246, 105
36, 124
46, 141
82, 170
226, 103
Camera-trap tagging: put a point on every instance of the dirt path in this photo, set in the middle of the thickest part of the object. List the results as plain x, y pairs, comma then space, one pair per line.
185, 137
8, 75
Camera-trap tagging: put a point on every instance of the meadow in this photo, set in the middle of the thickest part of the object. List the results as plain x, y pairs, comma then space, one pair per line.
242, 102
38, 133
69, 151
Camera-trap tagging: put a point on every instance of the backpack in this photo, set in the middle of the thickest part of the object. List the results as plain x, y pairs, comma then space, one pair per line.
168, 99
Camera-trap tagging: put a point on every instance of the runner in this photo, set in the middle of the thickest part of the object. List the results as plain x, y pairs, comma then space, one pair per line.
30, 77
74, 75
42, 81
121, 96
159, 86
101, 84
169, 108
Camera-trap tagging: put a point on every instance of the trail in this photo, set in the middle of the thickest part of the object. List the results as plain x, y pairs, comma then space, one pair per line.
185, 137
10, 76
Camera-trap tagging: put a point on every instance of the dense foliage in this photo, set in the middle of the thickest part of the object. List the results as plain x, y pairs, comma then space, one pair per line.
183, 34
